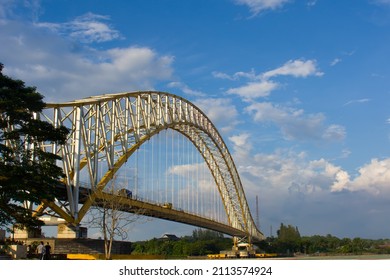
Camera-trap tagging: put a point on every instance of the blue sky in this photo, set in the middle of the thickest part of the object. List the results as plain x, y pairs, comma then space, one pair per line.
299, 90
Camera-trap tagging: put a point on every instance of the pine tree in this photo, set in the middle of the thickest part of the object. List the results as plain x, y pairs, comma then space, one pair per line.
27, 173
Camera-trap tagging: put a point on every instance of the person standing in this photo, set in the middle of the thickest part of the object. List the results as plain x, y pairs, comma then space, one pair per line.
47, 251
29, 252
41, 250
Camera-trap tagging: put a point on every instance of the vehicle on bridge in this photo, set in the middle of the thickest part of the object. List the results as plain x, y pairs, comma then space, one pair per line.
126, 193
167, 205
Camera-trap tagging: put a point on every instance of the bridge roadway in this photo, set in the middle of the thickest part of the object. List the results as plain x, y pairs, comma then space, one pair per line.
131, 205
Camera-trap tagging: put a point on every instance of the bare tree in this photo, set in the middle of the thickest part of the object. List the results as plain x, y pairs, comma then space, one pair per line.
114, 215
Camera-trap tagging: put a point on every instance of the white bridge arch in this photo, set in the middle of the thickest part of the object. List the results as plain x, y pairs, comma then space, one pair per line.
108, 129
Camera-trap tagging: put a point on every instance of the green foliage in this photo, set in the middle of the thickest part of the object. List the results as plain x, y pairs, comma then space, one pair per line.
27, 173
201, 243
201, 234
289, 241
288, 233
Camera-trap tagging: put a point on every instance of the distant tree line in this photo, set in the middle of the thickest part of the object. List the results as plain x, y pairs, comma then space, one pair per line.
287, 242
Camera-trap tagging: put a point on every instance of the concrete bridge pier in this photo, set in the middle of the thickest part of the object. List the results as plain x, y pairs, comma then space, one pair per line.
25, 233
71, 231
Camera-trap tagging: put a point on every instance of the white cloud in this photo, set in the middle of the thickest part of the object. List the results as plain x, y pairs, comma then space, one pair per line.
236, 76
266, 111
335, 61
280, 170
334, 132
294, 123
185, 170
261, 85
186, 89
223, 76
241, 144
373, 177
254, 90
284, 171
316, 195
190, 174
296, 68
220, 111
240, 140
363, 100
61, 72
345, 153
341, 179
258, 6
87, 28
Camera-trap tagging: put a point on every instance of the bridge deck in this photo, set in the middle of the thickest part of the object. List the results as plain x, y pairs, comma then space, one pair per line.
159, 211
131, 205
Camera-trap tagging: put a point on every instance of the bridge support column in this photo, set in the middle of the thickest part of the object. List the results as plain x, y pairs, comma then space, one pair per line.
24, 233
71, 231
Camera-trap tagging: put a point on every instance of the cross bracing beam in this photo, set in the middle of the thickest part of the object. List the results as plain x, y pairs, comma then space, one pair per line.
107, 129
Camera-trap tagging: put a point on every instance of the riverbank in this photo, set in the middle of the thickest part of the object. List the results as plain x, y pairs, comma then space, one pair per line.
339, 257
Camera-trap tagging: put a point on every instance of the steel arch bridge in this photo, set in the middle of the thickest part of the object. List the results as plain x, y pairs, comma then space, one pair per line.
107, 129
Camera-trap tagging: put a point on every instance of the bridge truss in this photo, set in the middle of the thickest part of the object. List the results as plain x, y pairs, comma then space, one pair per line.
106, 131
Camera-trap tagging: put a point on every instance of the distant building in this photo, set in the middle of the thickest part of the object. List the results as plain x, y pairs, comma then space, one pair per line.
169, 237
